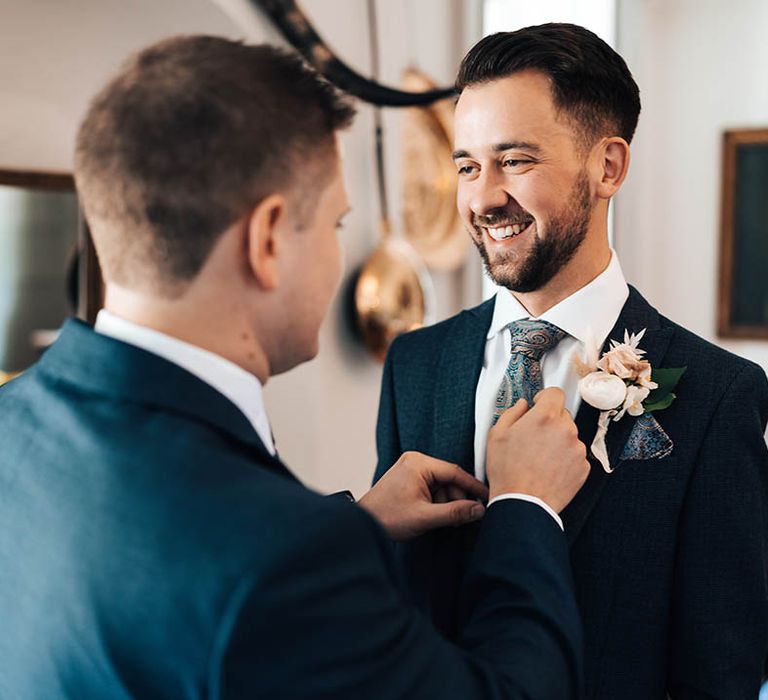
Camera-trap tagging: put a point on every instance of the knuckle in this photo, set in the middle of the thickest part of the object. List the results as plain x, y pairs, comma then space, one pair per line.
547, 416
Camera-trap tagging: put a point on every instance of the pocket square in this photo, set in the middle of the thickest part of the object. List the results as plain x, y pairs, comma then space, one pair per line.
647, 440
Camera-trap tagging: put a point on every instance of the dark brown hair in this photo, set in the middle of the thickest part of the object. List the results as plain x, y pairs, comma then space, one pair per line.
191, 134
590, 81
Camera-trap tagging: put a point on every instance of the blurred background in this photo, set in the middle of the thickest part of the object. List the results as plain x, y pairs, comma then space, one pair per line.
698, 64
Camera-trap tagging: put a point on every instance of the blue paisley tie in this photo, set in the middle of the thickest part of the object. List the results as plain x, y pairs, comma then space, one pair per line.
522, 380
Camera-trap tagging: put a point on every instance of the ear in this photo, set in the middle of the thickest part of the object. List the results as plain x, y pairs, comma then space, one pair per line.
613, 164
264, 229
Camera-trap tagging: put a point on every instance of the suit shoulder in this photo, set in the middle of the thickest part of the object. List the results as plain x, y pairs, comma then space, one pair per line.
704, 356
712, 372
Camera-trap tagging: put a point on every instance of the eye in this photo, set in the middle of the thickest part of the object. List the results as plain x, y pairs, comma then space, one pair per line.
515, 162
466, 169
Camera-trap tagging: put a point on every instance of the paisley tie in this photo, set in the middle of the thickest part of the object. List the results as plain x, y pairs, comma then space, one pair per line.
522, 379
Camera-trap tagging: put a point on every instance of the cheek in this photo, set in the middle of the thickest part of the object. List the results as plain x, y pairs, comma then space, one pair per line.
462, 196
463, 200
329, 263
335, 262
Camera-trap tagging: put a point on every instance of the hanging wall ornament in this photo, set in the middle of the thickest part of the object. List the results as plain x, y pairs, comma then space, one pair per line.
431, 220
393, 291
293, 24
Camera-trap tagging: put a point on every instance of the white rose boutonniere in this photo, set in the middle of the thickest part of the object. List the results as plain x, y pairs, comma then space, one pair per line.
622, 382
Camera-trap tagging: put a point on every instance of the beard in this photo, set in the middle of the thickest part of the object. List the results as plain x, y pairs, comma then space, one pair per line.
565, 232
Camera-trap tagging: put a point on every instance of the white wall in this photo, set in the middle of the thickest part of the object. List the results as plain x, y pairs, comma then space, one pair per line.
54, 55
701, 67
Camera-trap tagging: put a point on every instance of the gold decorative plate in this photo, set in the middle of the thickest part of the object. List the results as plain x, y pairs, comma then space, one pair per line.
431, 221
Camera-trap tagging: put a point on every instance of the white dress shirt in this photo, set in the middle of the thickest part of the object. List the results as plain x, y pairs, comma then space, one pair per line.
241, 387
587, 316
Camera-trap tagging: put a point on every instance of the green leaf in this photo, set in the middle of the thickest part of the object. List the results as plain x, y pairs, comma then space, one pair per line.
667, 379
660, 405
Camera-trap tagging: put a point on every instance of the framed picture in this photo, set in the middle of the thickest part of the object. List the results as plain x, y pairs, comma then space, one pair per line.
743, 288
48, 266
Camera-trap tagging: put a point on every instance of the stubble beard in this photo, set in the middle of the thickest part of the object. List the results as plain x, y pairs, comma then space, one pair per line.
565, 233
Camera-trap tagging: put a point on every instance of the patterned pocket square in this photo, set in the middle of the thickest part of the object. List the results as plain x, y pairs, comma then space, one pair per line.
647, 440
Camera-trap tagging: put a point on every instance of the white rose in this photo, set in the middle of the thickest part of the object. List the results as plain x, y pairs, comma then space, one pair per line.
603, 391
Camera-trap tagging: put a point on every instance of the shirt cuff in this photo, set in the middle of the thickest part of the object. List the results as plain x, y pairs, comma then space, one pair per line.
530, 499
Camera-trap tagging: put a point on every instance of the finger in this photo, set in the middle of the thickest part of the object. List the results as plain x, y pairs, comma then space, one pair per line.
551, 399
450, 514
454, 493
512, 415
440, 496
447, 474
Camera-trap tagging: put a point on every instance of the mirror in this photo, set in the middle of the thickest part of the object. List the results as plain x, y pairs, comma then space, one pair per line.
43, 276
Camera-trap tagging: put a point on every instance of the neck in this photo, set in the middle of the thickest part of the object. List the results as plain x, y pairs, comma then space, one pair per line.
195, 320
590, 260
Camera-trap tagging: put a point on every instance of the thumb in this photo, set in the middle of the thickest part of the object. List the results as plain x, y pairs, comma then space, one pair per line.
451, 514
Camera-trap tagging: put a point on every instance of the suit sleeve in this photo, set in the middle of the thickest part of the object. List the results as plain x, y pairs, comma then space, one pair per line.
388, 445
327, 621
719, 634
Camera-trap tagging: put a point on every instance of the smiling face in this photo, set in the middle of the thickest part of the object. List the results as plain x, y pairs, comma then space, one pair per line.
524, 192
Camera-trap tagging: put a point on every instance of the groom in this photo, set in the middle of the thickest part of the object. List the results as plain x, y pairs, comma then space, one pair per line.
670, 549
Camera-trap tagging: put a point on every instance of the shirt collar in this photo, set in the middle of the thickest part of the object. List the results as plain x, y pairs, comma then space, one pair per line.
588, 314
241, 387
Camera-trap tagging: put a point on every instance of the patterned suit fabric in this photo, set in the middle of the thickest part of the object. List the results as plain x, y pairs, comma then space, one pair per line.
669, 553
522, 379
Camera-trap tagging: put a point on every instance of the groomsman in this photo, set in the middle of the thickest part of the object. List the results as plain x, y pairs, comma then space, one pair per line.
669, 536
152, 543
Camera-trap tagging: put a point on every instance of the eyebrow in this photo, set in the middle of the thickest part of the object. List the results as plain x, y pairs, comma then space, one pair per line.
501, 147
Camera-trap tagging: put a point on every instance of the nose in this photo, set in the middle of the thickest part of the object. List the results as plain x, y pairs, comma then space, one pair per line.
488, 193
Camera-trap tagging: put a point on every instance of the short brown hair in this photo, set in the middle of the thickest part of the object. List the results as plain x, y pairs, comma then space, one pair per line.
190, 135
590, 81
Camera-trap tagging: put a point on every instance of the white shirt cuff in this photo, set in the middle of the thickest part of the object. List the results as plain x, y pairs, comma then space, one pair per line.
530, 499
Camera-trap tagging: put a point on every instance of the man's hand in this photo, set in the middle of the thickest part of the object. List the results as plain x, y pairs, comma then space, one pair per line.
537, 451
420, 493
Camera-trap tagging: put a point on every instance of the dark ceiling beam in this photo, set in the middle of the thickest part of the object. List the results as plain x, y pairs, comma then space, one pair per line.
293, 24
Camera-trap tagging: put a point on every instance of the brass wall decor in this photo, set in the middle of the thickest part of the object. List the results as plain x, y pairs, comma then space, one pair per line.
431, 220
392, 291
743, 287
7, 376
390, 296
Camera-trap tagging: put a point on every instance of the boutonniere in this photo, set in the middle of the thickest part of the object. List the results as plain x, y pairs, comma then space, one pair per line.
622, 382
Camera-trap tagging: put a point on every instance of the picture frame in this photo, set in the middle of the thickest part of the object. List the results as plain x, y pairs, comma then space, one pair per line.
48, 268
743, 278
89, 280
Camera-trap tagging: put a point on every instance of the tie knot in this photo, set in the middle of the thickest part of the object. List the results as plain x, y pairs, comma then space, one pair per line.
534, 338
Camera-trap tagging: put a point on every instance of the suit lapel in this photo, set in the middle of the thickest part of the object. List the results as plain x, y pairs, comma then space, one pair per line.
460, 363
636, 315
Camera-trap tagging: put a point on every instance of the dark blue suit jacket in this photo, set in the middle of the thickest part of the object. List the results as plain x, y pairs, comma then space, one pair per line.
150, 547
669, 555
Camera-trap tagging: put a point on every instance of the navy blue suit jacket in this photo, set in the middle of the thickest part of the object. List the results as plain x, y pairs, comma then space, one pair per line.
150, 547
669, 555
